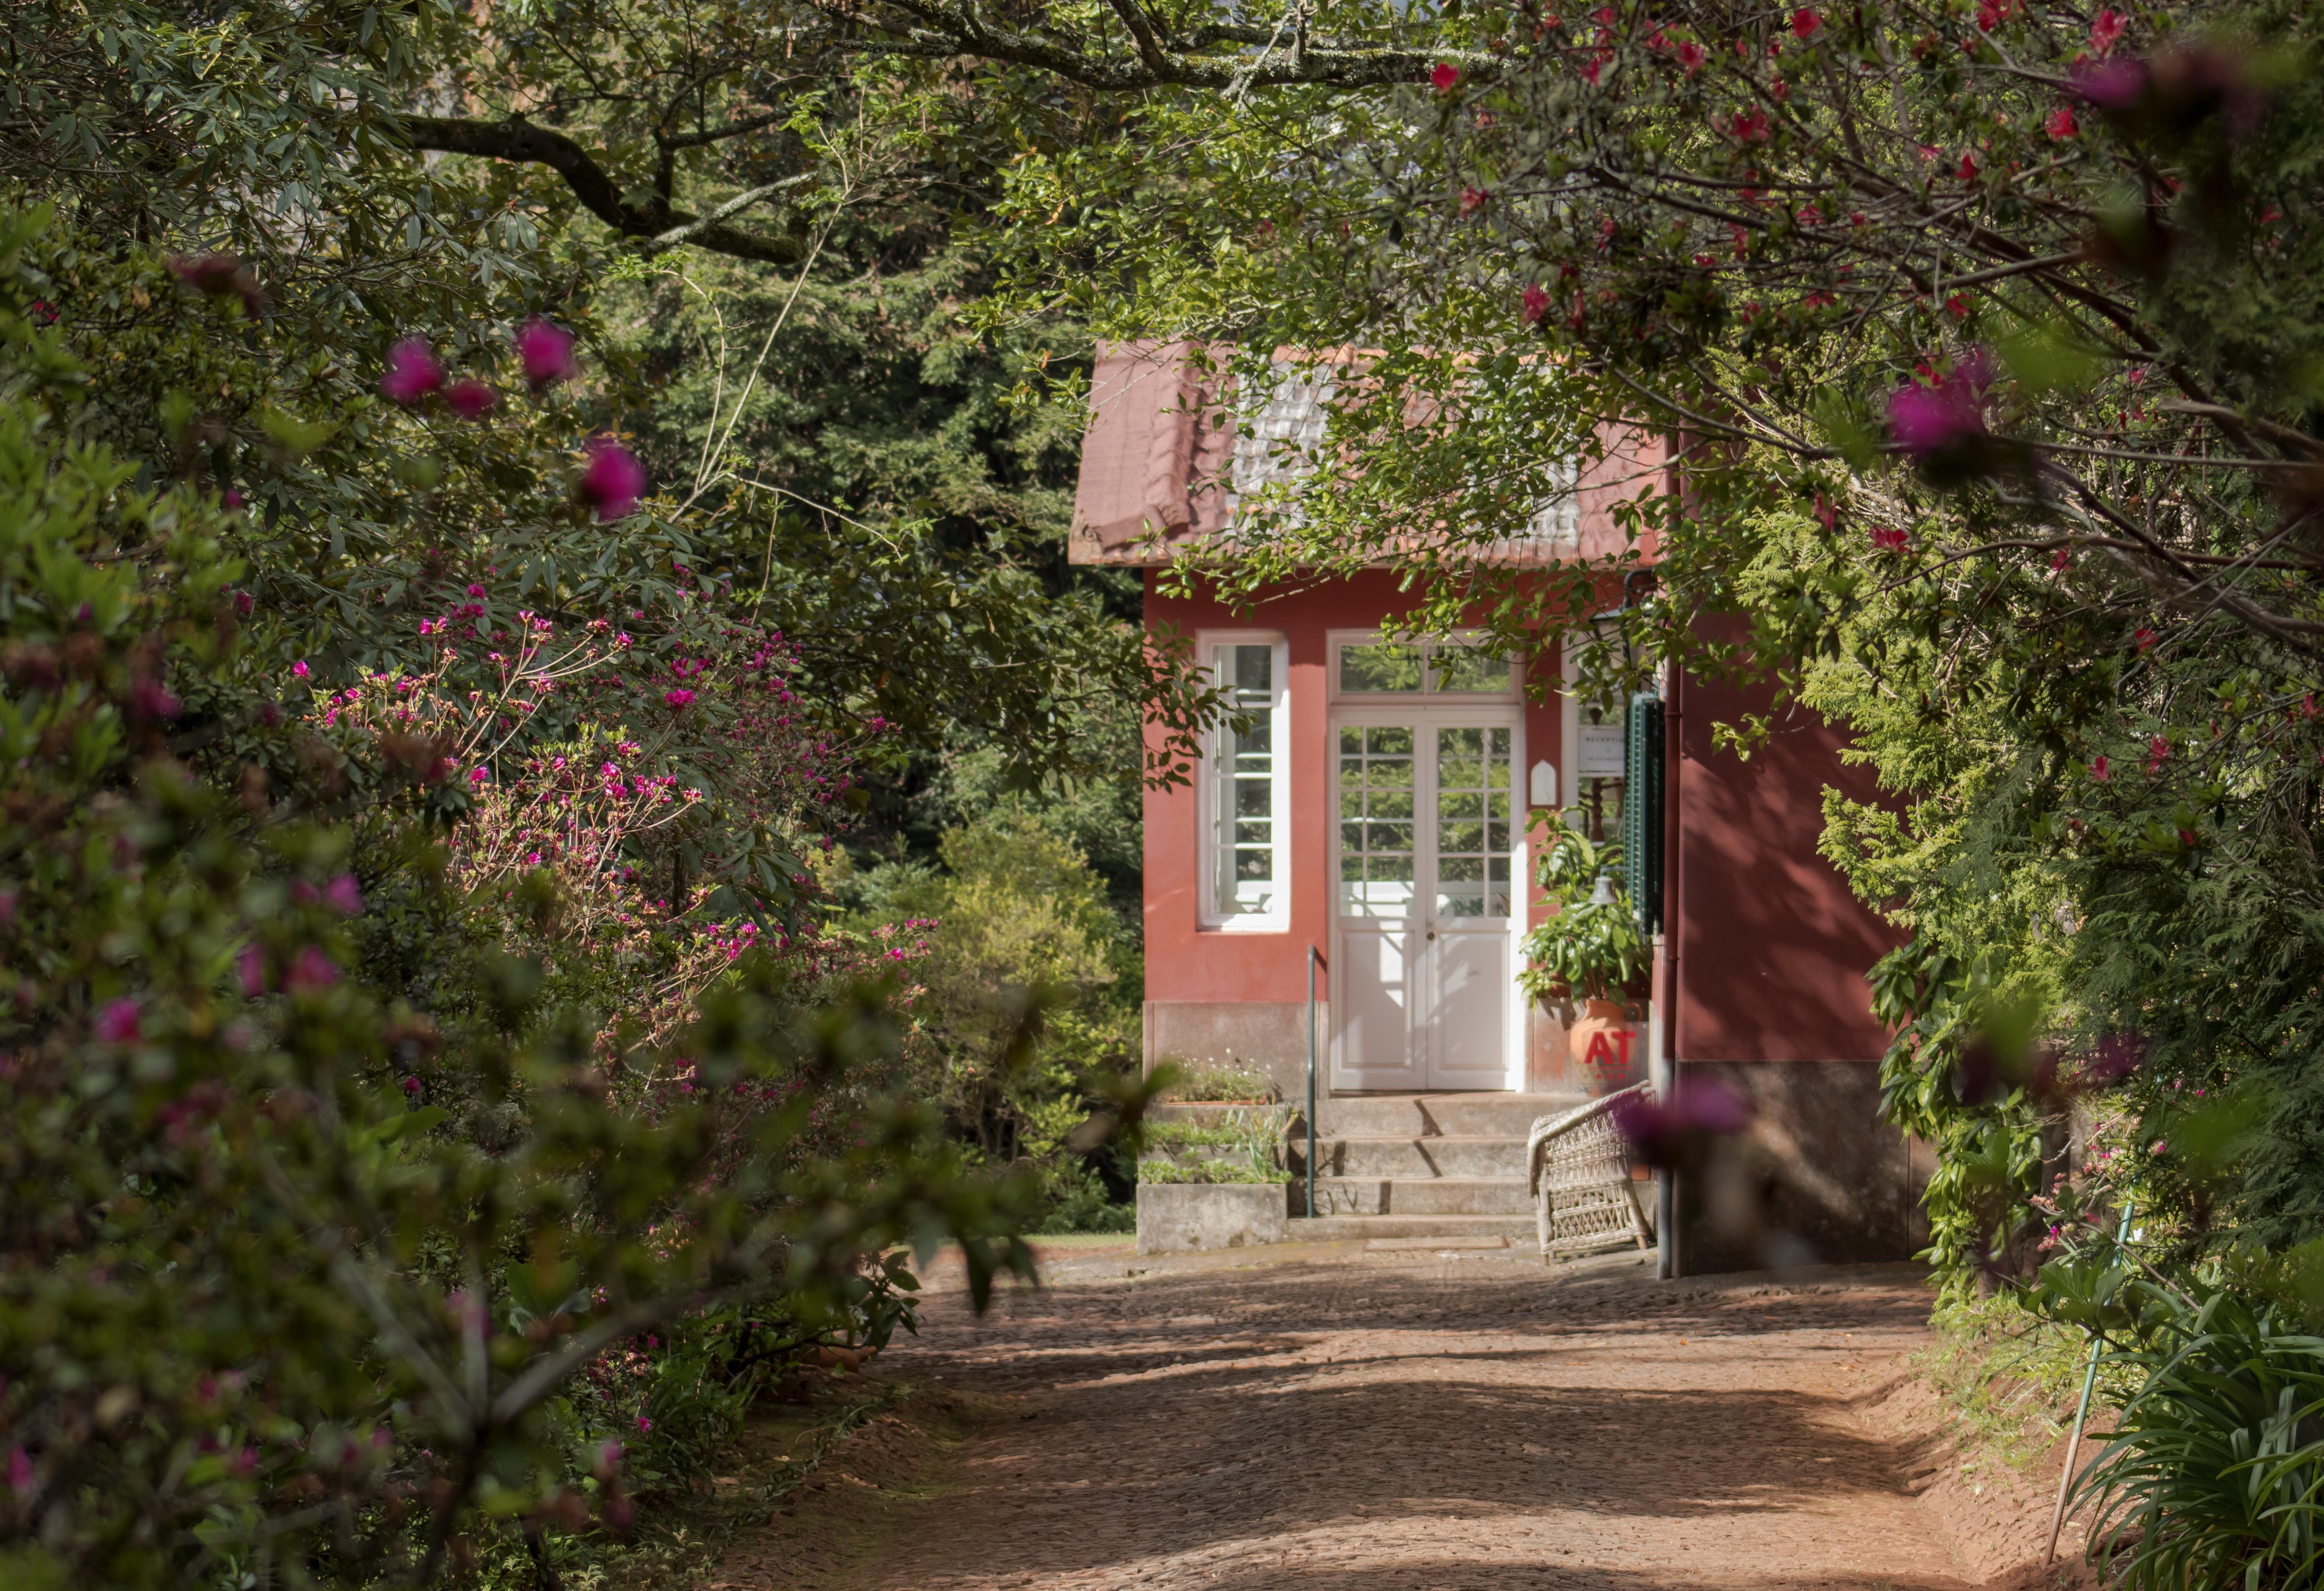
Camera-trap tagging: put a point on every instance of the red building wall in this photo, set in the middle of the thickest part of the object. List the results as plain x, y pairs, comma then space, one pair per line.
1185, 961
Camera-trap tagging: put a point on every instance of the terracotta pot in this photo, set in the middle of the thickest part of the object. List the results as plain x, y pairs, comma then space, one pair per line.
1600, 1046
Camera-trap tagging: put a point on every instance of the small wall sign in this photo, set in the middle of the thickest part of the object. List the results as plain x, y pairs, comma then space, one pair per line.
1602, 750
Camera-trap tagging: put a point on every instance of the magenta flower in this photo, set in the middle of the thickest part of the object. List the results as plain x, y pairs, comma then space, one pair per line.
310, 969
250, 967
471, 399
117, 1023
2115, 85
546, 352
677, 699
20, 1472
410, 1085
613, 481
299, 669
232, 500
1928, 420
644, 1423
1678, 1130
2101, 770
343, 896
413, 373
216, 276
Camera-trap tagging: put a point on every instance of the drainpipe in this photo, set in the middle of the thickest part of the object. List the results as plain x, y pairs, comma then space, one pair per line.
1663, 1051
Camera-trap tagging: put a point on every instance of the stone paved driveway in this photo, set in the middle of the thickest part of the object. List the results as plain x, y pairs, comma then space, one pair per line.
1414, 1421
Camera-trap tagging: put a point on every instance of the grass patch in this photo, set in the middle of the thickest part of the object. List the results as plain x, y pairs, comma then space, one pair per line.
2012, 1377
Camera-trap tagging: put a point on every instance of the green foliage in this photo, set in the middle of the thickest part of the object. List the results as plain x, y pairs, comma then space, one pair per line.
1211, 1082
1584, 950
267, 1308
1024, 1031
2213, 1474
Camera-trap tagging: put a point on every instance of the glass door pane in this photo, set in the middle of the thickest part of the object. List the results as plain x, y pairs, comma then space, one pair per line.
1473, 826
1376, 821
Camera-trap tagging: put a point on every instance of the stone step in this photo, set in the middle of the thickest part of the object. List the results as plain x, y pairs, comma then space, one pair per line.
1462, 1196
1518, 1230
1430, 1116
1448, 1156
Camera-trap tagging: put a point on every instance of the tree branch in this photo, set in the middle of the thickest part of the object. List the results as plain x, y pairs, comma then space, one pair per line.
521, 142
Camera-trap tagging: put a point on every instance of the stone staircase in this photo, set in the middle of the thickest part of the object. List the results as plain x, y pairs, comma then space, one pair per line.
1417, 1166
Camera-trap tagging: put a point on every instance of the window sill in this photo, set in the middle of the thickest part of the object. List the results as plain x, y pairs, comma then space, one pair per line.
1247, 925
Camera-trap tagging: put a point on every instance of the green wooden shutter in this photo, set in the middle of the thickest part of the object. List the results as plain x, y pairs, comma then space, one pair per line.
1642, 811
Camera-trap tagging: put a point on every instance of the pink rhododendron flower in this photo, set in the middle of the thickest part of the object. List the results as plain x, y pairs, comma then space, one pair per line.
232, 498
1888, 539
2143, 638
2060, 124
343, 894
613, 481
2106, 32
1444, 76
250, 967
117, 1023
546, 352
471, 399
20, 1472
410, 1085
299, 669
413, 373
677, 699
1927, 420
2158, 752
1805, 24
310, 969
644, 1423
1691, 56
2061, 560
2117, 85
1536, 302
2100, 770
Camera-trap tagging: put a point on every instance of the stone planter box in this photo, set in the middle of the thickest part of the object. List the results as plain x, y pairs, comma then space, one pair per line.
1187, 1218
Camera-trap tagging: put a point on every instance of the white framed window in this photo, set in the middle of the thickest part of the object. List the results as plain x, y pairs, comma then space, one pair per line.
1365, 667
1246, 808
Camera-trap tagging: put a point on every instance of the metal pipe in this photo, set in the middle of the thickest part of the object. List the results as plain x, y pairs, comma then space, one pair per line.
1311, 1082
2074, 1443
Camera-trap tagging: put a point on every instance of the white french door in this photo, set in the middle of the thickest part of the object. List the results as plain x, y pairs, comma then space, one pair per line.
1427, 853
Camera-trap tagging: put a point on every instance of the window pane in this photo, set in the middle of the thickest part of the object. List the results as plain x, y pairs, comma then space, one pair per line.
1376, 858
1472, 848
1243, 772
1456, 670
1380, 669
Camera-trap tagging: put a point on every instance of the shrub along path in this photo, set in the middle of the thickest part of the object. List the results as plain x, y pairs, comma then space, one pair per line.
1351, 1421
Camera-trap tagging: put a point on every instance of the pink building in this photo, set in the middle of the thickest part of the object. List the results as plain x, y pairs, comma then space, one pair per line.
1379, 812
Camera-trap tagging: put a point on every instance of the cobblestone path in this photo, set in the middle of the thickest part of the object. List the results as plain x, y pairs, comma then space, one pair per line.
1414, 1422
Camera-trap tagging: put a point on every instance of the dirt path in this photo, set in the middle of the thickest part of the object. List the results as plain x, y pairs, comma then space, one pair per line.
1351, 1421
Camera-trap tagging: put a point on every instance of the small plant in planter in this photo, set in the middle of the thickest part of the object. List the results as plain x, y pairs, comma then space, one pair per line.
1590, 952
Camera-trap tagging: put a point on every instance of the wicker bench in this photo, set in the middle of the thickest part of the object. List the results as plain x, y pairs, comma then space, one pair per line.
1577, 1170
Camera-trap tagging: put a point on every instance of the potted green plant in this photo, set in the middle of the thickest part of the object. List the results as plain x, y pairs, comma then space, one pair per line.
1590, 952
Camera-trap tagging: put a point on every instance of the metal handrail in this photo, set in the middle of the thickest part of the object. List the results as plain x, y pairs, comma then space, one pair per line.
1313, 957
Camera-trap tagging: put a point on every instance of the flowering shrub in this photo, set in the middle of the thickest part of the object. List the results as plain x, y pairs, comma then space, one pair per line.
293, 1268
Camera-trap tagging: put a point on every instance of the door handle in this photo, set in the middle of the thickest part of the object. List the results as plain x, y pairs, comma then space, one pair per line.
1432, 934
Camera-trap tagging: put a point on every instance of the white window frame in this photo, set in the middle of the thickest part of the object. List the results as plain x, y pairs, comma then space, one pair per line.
1335, 640
1276, 919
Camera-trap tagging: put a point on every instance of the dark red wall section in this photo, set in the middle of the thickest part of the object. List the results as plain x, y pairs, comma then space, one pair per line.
1771, 946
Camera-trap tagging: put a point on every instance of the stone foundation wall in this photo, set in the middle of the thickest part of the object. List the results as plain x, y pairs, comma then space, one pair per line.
1265, 1035
1818, 1178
